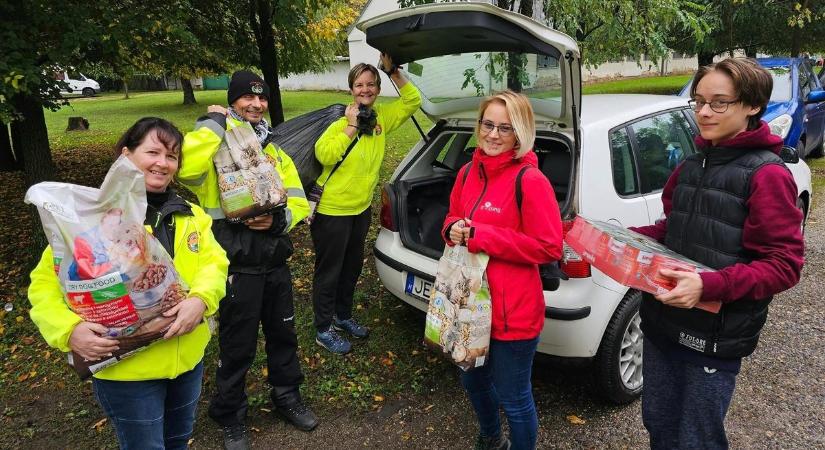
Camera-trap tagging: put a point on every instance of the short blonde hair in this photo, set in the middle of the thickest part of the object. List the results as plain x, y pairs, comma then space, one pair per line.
359, 69
521, 118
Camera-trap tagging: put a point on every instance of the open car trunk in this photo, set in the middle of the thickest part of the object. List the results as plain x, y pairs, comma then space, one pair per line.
424, 188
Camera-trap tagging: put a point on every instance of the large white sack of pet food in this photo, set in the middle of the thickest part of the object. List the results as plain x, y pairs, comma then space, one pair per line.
112, 271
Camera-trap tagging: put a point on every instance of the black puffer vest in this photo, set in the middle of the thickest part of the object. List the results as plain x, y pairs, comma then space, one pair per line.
706, 224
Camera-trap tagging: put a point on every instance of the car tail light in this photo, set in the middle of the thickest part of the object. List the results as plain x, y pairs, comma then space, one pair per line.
387, 216
571, 263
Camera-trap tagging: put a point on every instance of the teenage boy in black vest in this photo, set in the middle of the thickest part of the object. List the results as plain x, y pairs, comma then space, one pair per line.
732, 207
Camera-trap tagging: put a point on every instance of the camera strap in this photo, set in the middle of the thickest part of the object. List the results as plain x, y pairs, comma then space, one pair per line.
338, 164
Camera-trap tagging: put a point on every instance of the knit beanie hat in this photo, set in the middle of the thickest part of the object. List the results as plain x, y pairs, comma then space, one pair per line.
245, 82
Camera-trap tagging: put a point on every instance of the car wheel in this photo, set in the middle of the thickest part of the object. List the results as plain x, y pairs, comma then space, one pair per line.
800, 204
88, 92
619, 360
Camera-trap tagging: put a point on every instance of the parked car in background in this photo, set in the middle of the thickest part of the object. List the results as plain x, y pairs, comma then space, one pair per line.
796, 111
77, 83
613, 169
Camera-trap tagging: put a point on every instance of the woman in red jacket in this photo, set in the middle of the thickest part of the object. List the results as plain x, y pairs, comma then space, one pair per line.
485, 217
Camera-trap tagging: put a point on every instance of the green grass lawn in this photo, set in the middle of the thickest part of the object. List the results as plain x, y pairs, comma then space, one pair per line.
640, 85
110, 114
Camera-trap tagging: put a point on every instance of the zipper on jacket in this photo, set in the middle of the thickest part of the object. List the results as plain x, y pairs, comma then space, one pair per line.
694, 200
483, 177
720, 326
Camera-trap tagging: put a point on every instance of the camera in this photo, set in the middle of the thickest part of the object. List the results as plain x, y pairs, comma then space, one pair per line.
367, 119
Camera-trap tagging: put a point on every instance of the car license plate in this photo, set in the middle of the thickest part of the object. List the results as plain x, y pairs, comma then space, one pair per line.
418, 287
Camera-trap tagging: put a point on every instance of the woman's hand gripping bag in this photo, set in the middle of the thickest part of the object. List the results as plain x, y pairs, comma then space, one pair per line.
112, 271
249, 184
459, 314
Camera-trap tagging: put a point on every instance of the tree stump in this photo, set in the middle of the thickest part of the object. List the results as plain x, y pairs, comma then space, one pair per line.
78, 124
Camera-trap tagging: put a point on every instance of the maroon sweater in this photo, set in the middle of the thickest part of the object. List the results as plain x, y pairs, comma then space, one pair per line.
771, 231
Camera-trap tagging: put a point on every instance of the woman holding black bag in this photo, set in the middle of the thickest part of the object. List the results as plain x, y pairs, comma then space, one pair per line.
351, 151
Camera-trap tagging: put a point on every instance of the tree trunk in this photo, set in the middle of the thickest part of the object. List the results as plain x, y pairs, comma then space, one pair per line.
8, 163
125, 89
265, 37
796, 34
188, 92
31, 140
750, 51
705, 58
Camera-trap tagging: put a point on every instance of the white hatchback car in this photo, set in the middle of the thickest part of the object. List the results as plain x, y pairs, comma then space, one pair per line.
609, 163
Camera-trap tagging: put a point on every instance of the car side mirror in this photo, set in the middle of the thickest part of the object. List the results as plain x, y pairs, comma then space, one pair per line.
815, 96
789, 154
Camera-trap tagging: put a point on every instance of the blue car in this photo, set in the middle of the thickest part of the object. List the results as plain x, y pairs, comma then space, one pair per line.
796, 111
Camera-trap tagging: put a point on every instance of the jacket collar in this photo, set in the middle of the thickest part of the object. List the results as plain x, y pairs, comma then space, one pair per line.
503, 160
758, 138
173, 204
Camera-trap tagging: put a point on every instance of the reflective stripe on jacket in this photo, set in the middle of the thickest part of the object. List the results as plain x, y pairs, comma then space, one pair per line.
349, 191
199, 260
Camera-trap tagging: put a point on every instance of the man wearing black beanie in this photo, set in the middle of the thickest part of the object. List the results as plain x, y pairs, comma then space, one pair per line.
259, 288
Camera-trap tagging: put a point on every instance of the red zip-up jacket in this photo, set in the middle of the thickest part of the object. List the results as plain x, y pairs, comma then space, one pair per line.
517, 241
771, 231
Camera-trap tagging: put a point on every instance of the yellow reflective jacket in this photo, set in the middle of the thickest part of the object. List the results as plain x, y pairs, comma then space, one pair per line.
197, 171
349, 191
199, 260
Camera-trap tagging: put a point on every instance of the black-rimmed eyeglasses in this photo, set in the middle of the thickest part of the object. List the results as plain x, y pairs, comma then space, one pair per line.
717, 106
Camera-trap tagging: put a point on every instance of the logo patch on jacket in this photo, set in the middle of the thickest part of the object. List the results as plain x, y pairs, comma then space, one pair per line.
487, 206
192, 242
693, 342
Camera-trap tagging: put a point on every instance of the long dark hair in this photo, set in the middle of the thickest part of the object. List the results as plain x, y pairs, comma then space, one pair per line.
168, 134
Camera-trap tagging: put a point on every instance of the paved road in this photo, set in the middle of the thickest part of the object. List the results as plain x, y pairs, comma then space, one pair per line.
778, 403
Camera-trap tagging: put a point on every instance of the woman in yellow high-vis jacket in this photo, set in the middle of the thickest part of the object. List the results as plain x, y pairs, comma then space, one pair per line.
343, 215
150, 397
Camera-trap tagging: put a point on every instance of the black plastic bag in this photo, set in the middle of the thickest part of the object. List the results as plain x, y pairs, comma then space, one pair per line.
297, 138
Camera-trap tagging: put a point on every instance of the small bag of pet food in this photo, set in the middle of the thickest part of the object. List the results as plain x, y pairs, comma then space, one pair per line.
459, 314
249, 184
112, 271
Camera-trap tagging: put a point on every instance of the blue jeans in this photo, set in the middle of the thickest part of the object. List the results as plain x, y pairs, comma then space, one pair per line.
505, 382
683, 404
152, 414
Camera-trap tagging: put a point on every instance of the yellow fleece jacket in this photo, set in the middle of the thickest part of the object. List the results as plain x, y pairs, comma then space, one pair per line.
202, 264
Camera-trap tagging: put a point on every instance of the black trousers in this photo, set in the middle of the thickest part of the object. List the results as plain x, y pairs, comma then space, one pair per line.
252, 299
339, 258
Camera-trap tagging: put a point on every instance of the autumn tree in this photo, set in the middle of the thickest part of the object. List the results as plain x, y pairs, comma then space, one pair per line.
779, 27
37, 37
612, 30
289, 36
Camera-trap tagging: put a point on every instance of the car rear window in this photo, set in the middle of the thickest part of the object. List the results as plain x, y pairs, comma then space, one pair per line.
478, 74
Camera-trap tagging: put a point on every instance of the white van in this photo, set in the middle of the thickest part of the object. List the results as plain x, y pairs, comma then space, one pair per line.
78, 83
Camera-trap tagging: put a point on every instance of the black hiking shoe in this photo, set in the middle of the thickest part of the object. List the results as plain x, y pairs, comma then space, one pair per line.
298, 414
492, 443
235, 437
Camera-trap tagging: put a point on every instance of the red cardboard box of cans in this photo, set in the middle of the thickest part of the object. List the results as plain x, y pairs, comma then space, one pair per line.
630, 258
